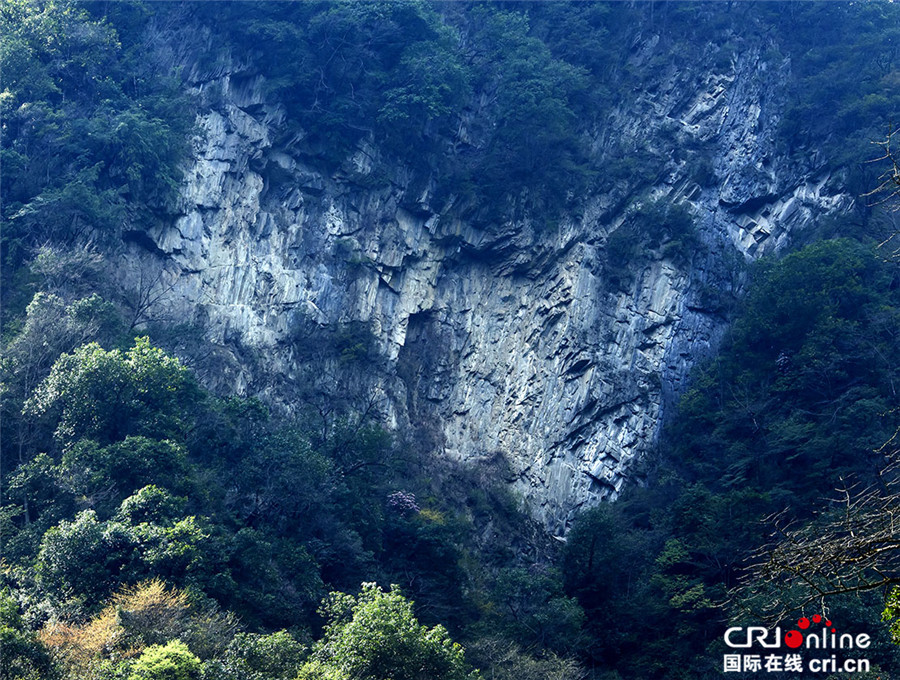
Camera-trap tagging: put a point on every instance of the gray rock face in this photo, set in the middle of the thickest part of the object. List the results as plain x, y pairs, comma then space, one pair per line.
517, 343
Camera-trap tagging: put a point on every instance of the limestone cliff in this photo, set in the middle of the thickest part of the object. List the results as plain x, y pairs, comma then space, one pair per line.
515, 343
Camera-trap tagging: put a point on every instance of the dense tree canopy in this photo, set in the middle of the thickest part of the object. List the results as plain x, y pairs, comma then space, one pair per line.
376, 635
93, 128
153, 530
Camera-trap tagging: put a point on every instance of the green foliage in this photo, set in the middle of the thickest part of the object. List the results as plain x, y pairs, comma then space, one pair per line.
115, 471
532, 609
82, 562
657, 228
411, 80
51, 327
800, 397
83, 130
532, 98
139, 619
73, 558
64, 270
429, 85
171, 661
349, 70
504, 660
430, 544
349, 342
286, 506
670, 227
105, 395
800, 394
251, 656
493, 105
376, 635
23, 656
34, 482
892, 613
271, 579
355, 342
845, 72
606, 568
151, 504
275, 512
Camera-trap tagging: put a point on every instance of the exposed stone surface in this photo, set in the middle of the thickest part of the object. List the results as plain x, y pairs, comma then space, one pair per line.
515, 342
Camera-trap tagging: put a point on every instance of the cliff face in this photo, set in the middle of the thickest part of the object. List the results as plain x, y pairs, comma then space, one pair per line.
518, 343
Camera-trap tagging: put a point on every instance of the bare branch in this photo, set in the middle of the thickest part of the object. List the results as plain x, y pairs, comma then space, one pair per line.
852, 547
151, 289
889, 187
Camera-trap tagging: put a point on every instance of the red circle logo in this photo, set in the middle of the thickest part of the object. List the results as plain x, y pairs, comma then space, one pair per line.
793, 639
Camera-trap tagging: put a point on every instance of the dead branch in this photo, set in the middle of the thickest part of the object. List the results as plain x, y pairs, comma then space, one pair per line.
852, 547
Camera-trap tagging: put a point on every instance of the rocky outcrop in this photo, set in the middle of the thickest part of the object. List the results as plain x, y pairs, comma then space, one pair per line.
517, 342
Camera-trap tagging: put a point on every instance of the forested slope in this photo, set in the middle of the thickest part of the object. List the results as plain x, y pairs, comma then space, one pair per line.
268, 280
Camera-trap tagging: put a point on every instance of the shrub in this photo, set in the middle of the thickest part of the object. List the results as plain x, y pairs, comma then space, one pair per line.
172, 661
375, 636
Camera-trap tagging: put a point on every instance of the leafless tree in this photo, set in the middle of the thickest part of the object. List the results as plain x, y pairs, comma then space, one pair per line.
885, 195
888, 188
67, 271
150, 290
851, 547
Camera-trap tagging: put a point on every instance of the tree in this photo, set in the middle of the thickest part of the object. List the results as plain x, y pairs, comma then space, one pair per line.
171, 661
508, 662
252, 656
94, 473
526, 95
90, 122
532, 609
23, 655
51, 327
375, 636
108, 395
137, 619
850, 548
82, 561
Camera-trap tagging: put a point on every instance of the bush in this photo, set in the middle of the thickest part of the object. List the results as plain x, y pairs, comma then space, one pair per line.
23, 655
172, 661
375, 636
107, 396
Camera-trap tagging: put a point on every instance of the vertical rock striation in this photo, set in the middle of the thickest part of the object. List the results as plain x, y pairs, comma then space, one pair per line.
519, 342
